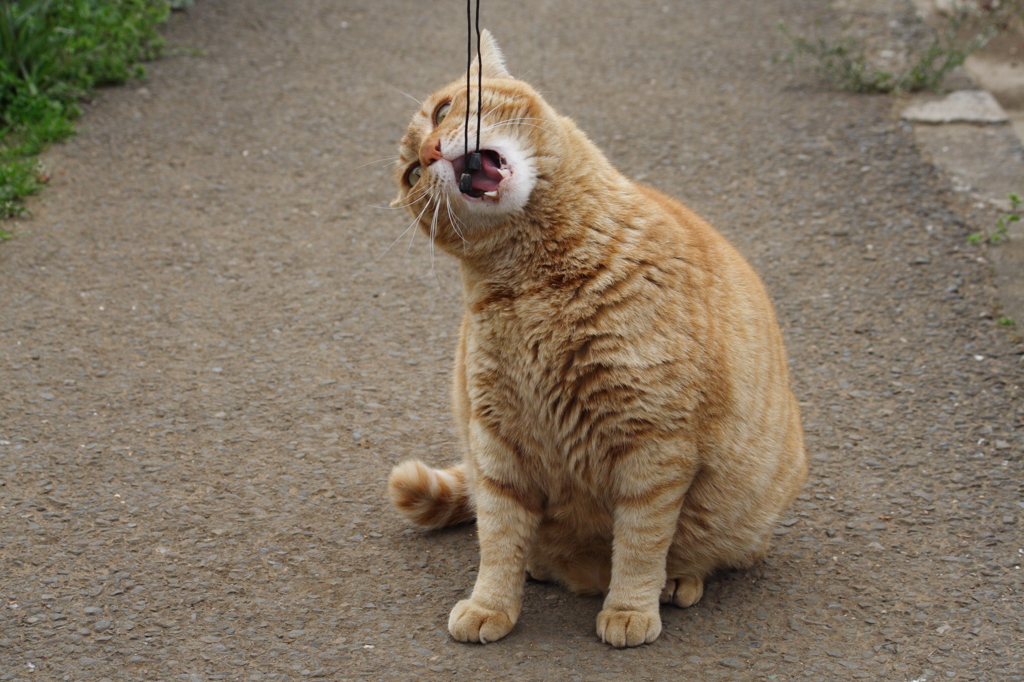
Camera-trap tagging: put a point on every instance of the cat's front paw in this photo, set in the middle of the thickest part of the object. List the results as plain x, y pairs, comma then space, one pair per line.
471, 622
628, 628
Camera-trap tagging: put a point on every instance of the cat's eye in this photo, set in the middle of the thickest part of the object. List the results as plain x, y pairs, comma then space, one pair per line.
441, 112
414, 175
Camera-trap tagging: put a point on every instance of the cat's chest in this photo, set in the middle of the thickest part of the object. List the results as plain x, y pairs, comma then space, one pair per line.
517, 348
523, 371
521, 340
553, 375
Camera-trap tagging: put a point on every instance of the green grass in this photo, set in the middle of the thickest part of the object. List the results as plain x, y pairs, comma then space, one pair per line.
844, 65
1001, 231
19, 178
52, 54
1006, 322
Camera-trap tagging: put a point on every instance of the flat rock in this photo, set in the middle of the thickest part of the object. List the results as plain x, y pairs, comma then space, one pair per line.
963, 106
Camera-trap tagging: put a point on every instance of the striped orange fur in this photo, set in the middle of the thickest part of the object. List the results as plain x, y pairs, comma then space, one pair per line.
433, 498
621, 389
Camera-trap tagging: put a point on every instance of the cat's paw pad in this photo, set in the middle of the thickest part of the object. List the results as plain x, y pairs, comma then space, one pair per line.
682, 592
471, 622
628, 628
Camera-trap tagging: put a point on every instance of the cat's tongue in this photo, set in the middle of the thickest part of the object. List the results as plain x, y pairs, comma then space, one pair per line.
488, 177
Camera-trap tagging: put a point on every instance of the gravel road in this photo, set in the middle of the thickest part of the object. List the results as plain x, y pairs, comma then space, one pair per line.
210, 359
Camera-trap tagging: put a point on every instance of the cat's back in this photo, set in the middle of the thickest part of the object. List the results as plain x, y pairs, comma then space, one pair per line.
677, 233
665, 269
718, 300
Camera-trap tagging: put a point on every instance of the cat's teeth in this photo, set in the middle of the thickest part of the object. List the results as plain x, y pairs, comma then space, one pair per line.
505, 174
493, 193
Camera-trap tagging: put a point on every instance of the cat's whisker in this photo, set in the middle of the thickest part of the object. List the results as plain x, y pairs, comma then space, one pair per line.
412, 200
526, 118
453, 220
392, 159
516, 123
448, 210
398, 207
412, 237
413, 224
523, 121
433, 232
403, 92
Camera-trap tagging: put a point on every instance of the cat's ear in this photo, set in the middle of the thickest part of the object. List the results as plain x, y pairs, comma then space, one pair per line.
494, 60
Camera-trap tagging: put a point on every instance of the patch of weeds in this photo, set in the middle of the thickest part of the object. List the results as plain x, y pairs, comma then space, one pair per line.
1006, 322
1001, 231
841, 64
53, 53
19, 178
1003, 224
844, 65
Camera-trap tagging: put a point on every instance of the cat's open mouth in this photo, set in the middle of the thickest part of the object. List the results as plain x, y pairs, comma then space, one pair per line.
486, 181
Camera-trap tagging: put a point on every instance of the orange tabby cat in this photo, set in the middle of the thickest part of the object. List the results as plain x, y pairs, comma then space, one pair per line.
621, 388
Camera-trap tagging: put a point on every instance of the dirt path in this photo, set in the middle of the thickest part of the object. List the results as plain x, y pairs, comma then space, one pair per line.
208, 367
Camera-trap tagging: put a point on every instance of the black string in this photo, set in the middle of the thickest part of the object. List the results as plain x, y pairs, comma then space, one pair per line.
473, 161
469, 65
479, 77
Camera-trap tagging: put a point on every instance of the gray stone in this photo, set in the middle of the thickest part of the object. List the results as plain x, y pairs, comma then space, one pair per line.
964, 106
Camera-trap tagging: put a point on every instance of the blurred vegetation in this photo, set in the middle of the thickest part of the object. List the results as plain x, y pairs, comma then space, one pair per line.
53, 53
844, 63
1002, 229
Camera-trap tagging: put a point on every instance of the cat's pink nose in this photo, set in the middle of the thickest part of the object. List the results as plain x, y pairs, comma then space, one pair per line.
430, 152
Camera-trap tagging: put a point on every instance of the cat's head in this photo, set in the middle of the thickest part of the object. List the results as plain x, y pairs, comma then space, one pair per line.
515, 124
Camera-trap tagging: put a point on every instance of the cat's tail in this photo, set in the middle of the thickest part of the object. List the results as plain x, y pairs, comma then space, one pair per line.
434, 498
